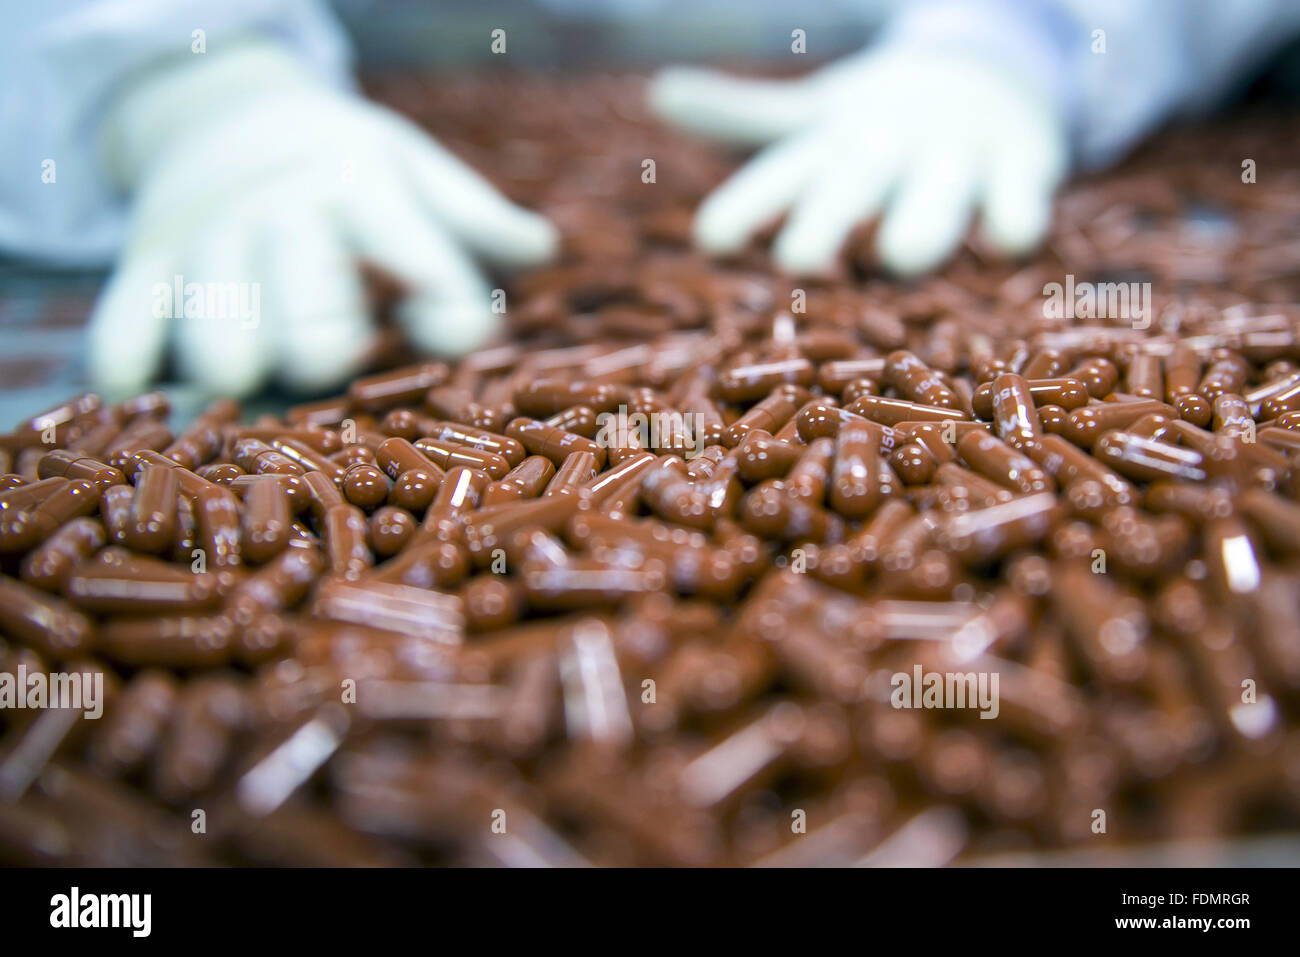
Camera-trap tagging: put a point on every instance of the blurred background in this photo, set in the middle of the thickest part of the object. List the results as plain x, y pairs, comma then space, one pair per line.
43, 311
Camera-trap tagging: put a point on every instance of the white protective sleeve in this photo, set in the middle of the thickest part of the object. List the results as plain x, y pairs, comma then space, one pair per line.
62, 64
1162, 58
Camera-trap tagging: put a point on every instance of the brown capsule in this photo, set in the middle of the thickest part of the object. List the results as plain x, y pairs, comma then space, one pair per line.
888, 411
1197, 502
771, 512
833, 376
210, 711
1147, 459
768, 414
115, 509
971, 486
1067, 463
1227, 372
202, 440
457, 496
759, 456
856, 488
403, 386
266, 519
135, 725
457, 406
818, 420
810, 475
152, 524
397, 455
48, 565
413, 612
1098, 375
749, 382
402, 424
585, 582
858, 388
29, 494
556, 444
256, 457
61, 463
309, 458
220, 473
706, 463
277, 586
1281, 402
526, 480
693, 566
1084, 426
490, 528
984, 533
343, 529
456, 433
1182, 373
918, 382
669, 494
914, 464
1288, 420
1109, 627
624, 476
390, 529
939, 440
1194, 408
1015, 416
25, 530
491, 603
415, 489
118, 582
1154, 426
996, 460
579, 469
1277, 520
544, 397
1052, 418
351, 455
324, 412
580, 419
365, 486
77, 408
1068, 394
171, 642
1043, 364
142, 434
48, 624
1145, 376
448, 456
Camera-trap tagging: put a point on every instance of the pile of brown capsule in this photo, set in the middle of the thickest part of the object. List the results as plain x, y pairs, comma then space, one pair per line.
638, 587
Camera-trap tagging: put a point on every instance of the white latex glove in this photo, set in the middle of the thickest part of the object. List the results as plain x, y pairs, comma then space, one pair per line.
246, 168
920, 138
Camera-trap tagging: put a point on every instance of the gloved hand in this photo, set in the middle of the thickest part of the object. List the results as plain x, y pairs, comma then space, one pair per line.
244, 168
918, 137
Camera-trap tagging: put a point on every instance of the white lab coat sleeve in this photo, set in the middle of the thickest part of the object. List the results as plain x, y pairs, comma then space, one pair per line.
61, 64
1116, 68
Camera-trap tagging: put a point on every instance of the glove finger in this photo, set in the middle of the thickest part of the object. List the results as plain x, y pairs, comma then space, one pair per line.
130, 323
471, 208
447, 311
757, 194
726, 108
222, 343
851, 191
322, 328
1021, 178
929, 215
